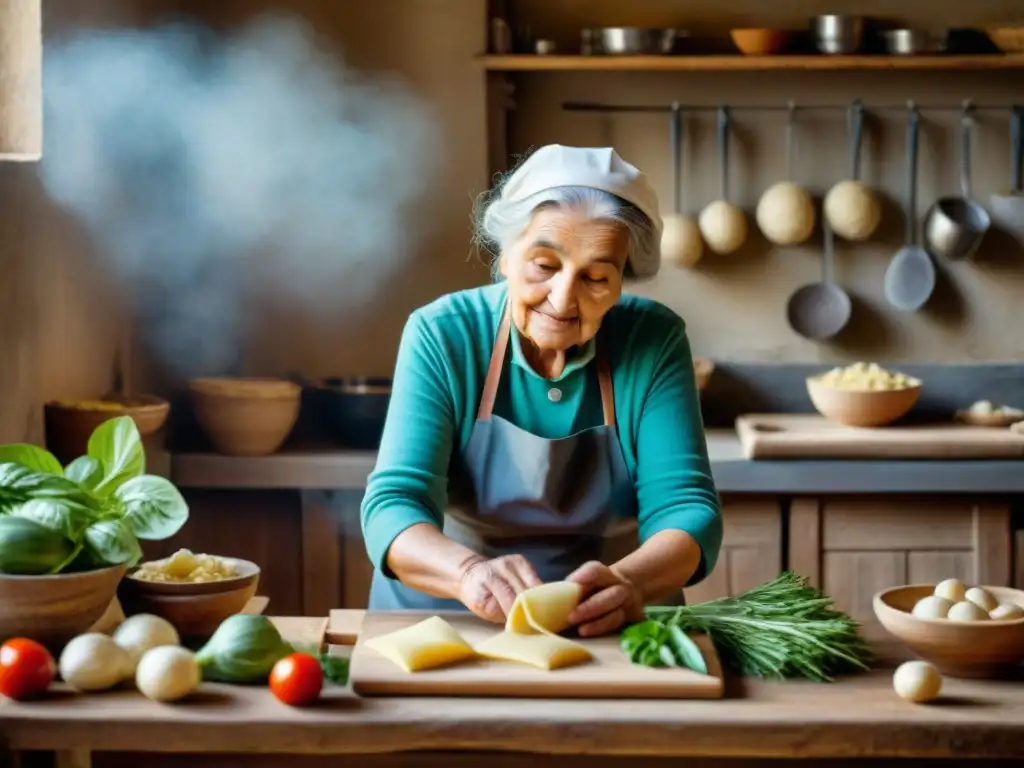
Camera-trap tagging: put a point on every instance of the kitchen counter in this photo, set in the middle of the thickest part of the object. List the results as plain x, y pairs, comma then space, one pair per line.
855, 717
336, 469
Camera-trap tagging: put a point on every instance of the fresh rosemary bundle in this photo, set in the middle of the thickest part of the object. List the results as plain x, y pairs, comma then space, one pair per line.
782, 629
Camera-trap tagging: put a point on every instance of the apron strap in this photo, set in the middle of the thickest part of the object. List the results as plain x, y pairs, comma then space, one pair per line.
497, 362
494, 367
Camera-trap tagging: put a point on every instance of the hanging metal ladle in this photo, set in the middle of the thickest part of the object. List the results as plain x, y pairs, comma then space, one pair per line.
955, 226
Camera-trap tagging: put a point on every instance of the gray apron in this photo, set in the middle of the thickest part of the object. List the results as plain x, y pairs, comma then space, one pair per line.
550, 501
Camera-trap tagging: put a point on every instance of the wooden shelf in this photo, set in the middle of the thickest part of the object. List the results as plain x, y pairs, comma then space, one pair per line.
738, 63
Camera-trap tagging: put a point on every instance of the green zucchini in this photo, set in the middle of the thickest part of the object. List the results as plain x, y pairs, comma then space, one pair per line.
30, 549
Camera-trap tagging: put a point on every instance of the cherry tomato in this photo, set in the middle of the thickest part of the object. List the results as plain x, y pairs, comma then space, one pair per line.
297, 679
26, 669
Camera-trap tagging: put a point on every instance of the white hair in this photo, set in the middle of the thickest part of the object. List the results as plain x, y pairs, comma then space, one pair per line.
499, 223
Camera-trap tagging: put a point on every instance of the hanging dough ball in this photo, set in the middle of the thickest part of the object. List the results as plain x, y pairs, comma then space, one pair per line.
785, 214
681, 243
852, 210
723, 226
917, 681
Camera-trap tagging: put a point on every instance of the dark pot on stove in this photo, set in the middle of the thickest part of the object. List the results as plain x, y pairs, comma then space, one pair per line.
356, 407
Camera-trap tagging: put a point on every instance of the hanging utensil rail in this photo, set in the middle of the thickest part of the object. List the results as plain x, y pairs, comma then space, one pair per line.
579, 106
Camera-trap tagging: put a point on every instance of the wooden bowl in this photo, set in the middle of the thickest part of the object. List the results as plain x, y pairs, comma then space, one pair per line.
1008, 39
53, 609
69, 424
248, 573
760, 42
703, 368
973, 649
192, 615
861, 408
246, 417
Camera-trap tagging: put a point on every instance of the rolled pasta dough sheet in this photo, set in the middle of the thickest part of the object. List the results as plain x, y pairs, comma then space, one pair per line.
544, 609
428, 644
544, 651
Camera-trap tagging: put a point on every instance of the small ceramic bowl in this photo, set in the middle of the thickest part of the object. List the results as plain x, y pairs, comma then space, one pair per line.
970, 649
246, 417
861, 408
195, 609
195, 616
248, 573
998, 419
760, 42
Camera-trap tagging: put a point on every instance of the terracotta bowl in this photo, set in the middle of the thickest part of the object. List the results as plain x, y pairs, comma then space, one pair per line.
193, 616
246, 417
53, 609
972, 649
248, 573
69, 424
861, 408
1008, 39
760, 42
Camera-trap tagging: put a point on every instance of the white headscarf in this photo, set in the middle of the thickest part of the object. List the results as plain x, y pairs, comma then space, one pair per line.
598, 168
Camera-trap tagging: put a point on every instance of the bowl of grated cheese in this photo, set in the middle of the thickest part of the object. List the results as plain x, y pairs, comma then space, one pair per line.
187, 573
863, 395
195, 592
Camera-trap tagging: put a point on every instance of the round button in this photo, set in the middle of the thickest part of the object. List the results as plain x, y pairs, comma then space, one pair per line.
554, 395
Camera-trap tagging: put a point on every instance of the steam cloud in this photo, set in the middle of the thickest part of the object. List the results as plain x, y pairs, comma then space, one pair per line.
212, 171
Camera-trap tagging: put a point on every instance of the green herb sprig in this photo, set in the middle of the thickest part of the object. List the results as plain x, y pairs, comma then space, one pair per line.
784, 628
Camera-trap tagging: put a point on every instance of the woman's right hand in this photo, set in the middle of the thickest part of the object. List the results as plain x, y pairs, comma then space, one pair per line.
488, 588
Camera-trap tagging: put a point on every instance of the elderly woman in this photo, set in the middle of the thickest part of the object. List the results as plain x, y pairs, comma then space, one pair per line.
528, 415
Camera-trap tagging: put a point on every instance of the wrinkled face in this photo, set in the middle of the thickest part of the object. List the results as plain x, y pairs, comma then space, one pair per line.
564, 273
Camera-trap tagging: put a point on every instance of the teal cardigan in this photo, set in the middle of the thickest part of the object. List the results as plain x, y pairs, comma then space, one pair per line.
439, 376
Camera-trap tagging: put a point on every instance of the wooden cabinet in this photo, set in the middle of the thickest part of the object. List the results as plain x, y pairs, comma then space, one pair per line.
852, 548
751, 548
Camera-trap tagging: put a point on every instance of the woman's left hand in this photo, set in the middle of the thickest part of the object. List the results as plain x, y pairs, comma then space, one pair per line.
609, 600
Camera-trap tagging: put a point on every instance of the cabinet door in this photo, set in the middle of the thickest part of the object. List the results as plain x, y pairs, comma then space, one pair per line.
852, 548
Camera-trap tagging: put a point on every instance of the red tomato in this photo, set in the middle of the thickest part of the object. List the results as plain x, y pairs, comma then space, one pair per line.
297, 679
26, 669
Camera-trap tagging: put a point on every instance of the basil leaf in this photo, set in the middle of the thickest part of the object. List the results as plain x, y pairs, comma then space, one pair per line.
86, 471
31, 456
686, 651
19, 484
65, 517
113, 542
153, 508
116, 445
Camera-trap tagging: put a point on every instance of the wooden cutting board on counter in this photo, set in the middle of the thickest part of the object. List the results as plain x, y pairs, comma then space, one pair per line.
809, 436
609, 676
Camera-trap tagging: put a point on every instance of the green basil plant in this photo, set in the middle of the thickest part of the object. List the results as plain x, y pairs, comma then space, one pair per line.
87, 515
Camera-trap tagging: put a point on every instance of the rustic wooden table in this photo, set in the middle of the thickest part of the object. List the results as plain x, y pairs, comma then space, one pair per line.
855, 718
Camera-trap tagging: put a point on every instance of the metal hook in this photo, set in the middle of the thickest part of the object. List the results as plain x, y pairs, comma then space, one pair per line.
967, 111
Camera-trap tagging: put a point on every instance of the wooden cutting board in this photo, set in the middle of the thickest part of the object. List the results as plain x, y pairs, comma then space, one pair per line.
302, 631
344, 626
609, 676
809, 436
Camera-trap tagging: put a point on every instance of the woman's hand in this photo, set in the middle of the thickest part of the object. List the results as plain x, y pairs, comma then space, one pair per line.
610, 600
489, 587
